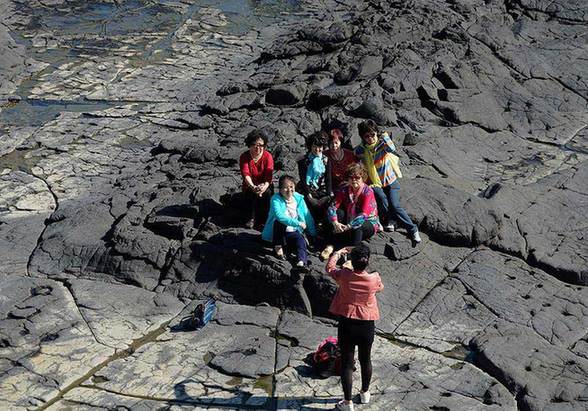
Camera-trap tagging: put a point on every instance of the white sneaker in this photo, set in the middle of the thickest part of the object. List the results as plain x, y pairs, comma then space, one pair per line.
389, 227
416, 237
300, 263
364, 397
344, 406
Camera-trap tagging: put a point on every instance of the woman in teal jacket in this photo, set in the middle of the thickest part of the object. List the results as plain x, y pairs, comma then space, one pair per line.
287, 220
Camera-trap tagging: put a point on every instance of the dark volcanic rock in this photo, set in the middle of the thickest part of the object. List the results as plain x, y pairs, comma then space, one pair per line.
450, 215
119, 198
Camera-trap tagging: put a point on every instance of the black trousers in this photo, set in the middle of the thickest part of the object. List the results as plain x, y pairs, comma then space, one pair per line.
351, 237
350, 333
254, 206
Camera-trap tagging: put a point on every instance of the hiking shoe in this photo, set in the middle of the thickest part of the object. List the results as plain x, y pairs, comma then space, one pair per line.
416, 237
389, 227
364, 397
326, 253
300, 264
344, 406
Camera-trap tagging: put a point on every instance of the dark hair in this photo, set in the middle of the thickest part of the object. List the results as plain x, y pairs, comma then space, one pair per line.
368, 126
253, 136
284, 178
332, 136
354, 169
318, 139
360, 257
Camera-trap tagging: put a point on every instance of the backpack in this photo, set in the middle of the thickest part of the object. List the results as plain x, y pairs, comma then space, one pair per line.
326, 360
202, 314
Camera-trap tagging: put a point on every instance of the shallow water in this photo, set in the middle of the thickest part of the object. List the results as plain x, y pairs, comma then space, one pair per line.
139, 29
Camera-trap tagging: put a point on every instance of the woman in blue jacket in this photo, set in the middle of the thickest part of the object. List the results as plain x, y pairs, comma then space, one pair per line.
287, 220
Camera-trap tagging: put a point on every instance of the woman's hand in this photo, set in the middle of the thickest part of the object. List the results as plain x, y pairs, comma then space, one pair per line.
338, 227
302, 225
263, 187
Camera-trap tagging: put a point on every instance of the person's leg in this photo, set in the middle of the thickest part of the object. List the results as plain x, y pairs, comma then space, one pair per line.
364, 349
357, 235
367, 231
296, 240
396, 211
347, 349
261, 207
247, 202
382, 202
279, 234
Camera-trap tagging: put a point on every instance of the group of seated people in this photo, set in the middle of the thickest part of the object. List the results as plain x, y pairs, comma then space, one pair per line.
351, 194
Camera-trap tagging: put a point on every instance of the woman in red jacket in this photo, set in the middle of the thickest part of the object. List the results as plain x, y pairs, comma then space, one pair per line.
257, 169
356, 305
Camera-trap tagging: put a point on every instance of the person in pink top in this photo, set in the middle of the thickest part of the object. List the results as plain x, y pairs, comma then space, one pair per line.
357, 308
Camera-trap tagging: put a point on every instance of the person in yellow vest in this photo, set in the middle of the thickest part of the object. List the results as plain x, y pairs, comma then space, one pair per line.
378, 154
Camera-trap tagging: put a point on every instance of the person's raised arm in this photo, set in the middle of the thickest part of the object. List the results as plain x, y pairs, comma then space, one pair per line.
331, 267
388, 145
379, 284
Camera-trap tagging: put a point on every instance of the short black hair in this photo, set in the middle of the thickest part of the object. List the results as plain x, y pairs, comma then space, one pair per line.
360, 257
284, 178
318, 139
367, 126
255, 135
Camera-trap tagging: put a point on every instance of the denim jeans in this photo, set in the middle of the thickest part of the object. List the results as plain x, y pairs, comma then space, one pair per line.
291, 240
388, 199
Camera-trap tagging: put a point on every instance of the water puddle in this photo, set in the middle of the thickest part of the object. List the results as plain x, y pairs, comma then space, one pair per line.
31, 112
246, 15
140, 31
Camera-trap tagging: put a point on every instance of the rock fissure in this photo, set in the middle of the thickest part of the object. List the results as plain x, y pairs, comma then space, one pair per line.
136, 344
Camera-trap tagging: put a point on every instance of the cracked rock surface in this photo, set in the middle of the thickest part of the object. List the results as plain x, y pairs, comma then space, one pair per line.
121, 124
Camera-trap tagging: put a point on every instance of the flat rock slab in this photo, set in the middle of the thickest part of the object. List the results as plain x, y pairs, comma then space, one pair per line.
47, 344
179, 365
404, 377
117, 314
54, 333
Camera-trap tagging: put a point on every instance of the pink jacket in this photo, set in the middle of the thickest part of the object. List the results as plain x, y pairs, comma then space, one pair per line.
356, 295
